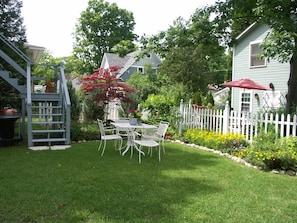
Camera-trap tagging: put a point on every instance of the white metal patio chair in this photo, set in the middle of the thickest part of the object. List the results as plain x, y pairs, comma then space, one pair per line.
105, 137
146, 143
158, 135
122, 131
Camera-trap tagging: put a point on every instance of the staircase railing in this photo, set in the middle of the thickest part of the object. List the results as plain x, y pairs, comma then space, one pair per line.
14, 48
67, 103
61, 90
27, 98
23, 71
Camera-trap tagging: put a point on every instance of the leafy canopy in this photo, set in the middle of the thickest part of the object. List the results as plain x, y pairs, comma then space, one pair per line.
144, 83
12, 22
281, 42
101, 27
191, 51
11, 26
234, 16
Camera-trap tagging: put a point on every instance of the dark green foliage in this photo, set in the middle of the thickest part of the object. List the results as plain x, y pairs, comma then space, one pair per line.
87, 131
209, 101
192, 53
75, 102
11, 26
186, 65
92, 111
11, 21
146, 84
232, 18
281, 42
9, 96
197, 99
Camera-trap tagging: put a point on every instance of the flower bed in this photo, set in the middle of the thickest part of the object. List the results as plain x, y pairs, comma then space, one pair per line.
225, 143
266, 152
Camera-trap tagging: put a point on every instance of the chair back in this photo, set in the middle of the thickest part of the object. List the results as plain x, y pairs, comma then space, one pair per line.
162, 129
101, 127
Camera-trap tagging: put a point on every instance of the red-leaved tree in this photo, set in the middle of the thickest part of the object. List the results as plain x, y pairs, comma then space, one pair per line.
103, 87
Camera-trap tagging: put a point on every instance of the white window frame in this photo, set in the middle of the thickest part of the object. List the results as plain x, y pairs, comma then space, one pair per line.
246, 103
254, 56
140, 69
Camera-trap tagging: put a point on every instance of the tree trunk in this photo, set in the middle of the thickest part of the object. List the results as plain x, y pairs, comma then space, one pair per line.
292, 86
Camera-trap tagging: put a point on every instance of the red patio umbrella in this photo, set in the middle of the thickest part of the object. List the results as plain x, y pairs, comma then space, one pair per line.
245, 83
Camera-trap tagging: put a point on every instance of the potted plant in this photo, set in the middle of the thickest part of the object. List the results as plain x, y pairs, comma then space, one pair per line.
50, 86
134, 117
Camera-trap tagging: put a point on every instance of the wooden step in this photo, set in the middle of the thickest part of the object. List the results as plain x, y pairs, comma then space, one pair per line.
49, 131
47, 122
49, 140
45, 97
56, 115
46, 107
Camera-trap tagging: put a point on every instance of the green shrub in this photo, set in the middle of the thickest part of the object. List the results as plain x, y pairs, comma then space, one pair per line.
271, 154
264, 141
85, 131
159, 106
75, 104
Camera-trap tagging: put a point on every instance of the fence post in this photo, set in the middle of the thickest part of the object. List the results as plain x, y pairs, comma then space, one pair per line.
226, 118
181, 116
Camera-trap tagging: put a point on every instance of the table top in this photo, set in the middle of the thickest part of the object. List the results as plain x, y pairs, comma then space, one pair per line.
128, 125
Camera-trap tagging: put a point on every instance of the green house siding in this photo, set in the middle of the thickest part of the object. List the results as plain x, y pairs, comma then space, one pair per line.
274, 72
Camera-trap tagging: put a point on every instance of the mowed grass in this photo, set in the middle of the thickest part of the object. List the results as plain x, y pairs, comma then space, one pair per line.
188, 185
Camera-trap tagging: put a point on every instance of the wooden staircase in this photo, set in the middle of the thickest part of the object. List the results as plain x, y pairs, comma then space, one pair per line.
47, 120
47, 114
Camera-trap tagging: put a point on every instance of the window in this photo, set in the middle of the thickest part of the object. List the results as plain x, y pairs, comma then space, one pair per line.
255, 50
245, 105
140, 69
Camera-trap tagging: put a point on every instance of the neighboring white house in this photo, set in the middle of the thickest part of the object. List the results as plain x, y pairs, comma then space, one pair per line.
129, 64
246, 64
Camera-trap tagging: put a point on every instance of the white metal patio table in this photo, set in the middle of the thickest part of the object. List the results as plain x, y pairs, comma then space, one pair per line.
130, 129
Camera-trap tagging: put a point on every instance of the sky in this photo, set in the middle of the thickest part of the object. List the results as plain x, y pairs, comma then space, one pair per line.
51, 23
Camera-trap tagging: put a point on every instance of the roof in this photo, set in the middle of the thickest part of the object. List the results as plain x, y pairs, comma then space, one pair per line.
130, 60
115, 60
246, 31
34, 52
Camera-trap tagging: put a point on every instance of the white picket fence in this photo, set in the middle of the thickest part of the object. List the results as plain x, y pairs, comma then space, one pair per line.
224, 121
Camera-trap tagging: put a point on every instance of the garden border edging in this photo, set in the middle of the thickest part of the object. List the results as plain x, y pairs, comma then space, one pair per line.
236, 159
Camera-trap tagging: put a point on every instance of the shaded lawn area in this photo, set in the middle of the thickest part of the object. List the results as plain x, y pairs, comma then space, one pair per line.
188, 185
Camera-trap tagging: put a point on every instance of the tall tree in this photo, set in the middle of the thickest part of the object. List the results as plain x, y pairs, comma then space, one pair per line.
281, 42
233, 16
11, 21
103, 87
11, 26
101, 27
190, 50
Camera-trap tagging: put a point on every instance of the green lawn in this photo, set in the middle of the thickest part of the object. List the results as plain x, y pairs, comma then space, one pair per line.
189, 185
